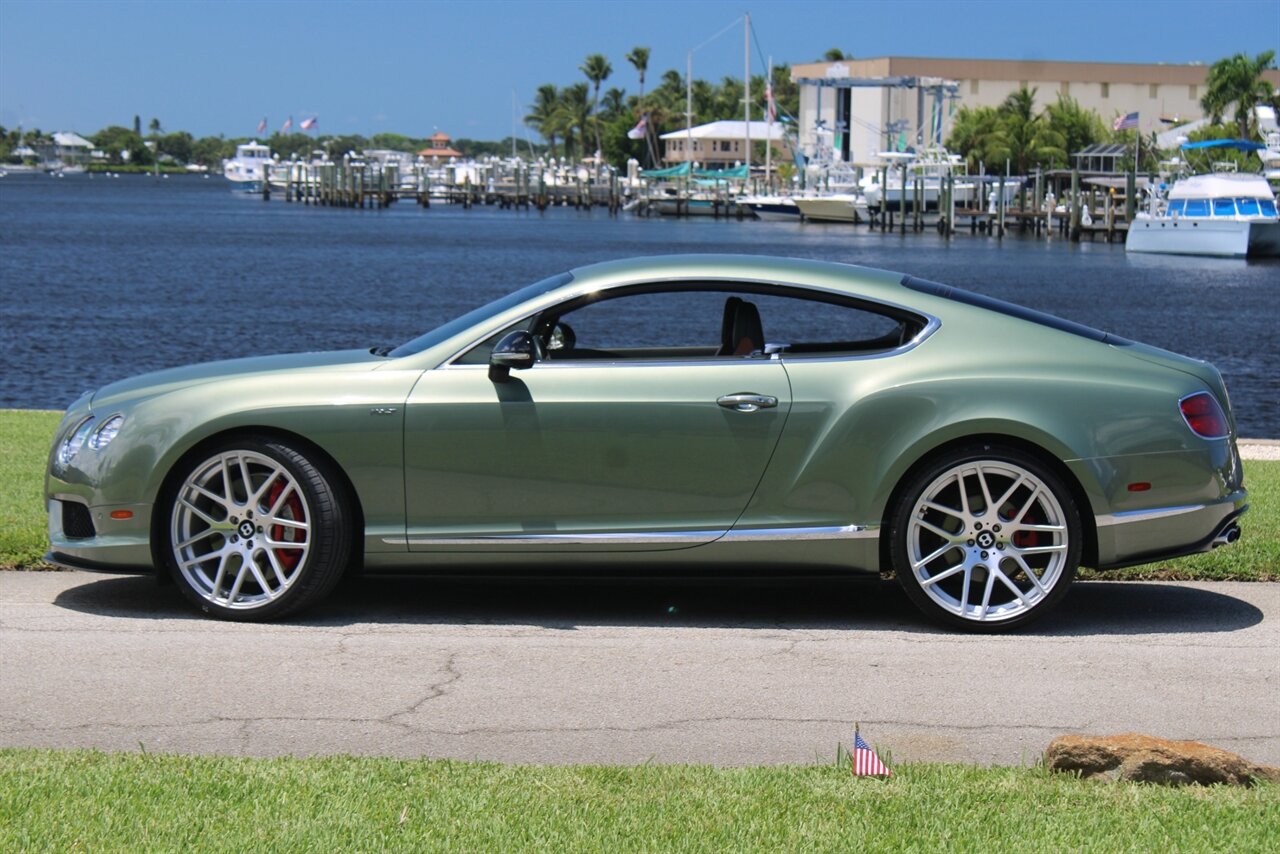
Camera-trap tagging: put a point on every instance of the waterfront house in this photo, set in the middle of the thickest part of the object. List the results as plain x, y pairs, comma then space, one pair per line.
721, 143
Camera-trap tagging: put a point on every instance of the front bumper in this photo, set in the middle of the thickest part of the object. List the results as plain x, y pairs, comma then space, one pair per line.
112, 544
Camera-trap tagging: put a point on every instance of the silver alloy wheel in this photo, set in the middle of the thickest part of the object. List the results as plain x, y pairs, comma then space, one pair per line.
987, 541
241, 530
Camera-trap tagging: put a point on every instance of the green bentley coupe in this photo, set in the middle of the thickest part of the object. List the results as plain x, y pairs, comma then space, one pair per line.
686, 412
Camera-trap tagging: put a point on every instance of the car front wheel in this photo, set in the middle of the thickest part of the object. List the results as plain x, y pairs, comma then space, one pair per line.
985, 538
256, 531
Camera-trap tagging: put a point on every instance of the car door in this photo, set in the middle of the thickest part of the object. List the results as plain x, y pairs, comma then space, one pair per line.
656, 449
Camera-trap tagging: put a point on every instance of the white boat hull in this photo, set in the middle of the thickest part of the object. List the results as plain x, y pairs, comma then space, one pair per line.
832, 209
1222, 238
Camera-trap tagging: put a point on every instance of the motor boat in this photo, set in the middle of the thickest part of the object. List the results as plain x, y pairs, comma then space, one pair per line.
1222, 213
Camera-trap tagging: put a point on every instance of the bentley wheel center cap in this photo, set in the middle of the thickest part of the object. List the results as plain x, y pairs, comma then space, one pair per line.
246, 529
986, 539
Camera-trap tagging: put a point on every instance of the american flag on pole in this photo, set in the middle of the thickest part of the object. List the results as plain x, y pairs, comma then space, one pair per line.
865, 761
262, 126
308, 124
1128, 121
773, 105
638, 131
288, 124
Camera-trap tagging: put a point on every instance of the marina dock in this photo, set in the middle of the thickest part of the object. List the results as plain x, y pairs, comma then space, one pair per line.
1056, 204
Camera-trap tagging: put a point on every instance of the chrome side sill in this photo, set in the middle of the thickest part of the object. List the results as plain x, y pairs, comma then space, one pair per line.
648, 538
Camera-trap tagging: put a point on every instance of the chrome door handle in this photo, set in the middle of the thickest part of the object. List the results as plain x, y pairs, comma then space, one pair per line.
747, 402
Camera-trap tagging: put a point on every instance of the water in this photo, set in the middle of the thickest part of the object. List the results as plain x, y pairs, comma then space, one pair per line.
103, 278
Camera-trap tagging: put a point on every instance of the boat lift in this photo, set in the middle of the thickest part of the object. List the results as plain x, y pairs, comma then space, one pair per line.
936, 87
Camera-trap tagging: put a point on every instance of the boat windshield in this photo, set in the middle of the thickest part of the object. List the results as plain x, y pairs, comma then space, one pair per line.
1268, 207
1176, 207
1197, 207
1224, 207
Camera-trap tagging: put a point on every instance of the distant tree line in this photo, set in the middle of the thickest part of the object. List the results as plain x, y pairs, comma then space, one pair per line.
123, 145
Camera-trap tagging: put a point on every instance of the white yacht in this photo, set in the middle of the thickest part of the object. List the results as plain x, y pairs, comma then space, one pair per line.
248, 168
772, 208
833, 207
930, 166
1223, 213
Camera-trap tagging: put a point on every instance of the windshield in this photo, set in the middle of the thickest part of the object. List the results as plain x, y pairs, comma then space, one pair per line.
471, 318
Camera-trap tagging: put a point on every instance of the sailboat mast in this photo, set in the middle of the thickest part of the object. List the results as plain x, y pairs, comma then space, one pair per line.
746, 88
688, 110
768, 115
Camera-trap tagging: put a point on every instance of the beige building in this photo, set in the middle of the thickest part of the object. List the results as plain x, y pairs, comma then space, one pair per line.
721, 143
867, 117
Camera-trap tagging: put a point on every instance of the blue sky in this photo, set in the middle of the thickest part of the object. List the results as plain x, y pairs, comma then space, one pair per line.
413, 67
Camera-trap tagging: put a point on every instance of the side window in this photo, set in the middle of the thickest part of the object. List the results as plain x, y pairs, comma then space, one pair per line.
1247, 206
693, 323
1224, 207
669, 324
1197, 207
1176, 206
800, 327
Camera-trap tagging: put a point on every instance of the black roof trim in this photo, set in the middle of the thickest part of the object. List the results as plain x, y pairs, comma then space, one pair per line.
1007, 308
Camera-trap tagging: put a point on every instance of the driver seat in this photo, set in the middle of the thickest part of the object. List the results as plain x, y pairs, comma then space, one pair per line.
741, 332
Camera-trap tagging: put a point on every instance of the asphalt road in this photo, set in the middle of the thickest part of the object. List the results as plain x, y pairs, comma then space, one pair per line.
625, 672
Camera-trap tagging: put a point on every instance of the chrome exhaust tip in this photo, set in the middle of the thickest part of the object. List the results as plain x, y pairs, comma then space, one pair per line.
1227, 536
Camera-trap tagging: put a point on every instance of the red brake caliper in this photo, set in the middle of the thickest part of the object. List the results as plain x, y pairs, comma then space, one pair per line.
1028, 539
281, 533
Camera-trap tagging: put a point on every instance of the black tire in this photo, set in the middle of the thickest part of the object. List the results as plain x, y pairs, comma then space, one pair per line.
253, 558
1030, 542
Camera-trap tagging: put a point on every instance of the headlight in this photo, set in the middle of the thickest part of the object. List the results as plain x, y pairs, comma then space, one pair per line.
73, 443
104, 434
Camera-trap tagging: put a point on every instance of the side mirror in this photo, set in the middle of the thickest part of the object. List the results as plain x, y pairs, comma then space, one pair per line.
518, 349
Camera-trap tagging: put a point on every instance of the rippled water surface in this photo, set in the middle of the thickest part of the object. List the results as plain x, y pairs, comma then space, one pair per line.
102, 278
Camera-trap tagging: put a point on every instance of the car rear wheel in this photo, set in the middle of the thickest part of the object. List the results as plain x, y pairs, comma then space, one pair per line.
985, 538
256, 531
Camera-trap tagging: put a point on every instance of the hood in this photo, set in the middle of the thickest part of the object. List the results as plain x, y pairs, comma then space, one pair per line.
159, 382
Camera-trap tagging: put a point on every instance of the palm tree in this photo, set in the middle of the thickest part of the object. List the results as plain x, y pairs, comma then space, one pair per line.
615, 101
154, 127
1025, 139
542, 116
573, 115
597, 69
1238, 80
639, 59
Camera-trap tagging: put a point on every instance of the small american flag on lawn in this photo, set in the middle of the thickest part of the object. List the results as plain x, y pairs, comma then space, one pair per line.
865, 761
1129, 121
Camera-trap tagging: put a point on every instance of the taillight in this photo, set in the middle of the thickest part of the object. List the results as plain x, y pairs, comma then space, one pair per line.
1204, 416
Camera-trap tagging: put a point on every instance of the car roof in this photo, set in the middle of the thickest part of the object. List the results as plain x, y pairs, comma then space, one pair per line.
848, 278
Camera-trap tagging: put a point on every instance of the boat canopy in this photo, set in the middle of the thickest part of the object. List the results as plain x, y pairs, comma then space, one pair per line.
737, 173
681, 171
1237, 144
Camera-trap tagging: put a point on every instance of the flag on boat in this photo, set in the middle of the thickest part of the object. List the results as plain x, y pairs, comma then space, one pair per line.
768, 99
309, 124
287, 126
637, 132
262, 126
1126, 122
865, 761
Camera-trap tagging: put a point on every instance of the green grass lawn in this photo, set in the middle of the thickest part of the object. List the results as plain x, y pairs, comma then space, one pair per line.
24, 446
90, 801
